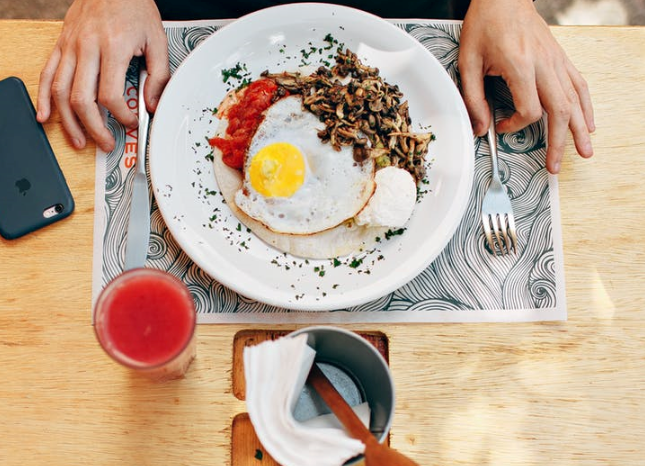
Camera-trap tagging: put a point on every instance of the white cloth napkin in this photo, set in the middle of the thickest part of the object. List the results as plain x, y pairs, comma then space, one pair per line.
275, 373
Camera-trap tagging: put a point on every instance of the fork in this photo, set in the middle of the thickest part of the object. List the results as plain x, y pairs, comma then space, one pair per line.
497, 211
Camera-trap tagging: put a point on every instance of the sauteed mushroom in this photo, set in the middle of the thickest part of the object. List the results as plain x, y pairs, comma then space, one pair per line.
359, 109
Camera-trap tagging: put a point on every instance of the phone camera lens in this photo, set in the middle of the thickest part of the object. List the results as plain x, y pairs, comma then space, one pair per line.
58, 208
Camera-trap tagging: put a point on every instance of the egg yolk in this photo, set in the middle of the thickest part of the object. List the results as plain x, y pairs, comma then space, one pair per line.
277, 170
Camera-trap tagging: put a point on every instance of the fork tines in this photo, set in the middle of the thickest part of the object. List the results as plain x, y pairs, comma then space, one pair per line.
500, 233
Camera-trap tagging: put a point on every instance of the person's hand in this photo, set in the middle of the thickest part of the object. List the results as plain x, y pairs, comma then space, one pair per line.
508, 38
90, 60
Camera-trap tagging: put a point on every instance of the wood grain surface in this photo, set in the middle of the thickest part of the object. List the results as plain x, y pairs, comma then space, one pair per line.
246, 449
565, 393
256, 336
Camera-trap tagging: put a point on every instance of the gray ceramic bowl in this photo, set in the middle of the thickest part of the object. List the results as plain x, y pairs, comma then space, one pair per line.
356, 369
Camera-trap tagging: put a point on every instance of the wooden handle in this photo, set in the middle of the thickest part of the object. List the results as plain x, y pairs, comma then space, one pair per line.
339, 406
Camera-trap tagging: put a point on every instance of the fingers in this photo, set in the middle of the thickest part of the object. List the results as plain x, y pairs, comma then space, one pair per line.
78, 85
558, 87
61, 92
472, 84
577, 123
43, 103
508, 38
88, 66
564, 106
583, 92
528, 109
557, 108
83, 99
114, 66
158, 70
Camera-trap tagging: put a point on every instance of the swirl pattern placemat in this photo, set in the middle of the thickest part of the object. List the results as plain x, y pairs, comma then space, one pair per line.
463, 284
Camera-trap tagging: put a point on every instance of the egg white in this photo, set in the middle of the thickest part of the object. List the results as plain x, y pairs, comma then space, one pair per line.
335, 187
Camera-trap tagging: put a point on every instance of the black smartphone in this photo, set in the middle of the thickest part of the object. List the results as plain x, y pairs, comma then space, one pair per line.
33, 190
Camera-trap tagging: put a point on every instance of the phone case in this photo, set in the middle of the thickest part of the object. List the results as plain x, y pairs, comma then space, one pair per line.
33, 190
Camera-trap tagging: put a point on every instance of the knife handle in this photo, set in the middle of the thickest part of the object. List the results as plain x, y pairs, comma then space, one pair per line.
144, 121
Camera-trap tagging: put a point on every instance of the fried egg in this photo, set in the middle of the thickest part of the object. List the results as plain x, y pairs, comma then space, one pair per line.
293, 182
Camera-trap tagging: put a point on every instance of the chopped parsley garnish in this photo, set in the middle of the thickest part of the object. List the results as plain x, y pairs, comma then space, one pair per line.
239, 71
308, 53
332, 42
245, 82
355, 263
391, 233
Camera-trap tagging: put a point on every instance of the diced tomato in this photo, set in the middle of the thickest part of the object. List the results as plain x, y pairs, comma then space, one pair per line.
244, 117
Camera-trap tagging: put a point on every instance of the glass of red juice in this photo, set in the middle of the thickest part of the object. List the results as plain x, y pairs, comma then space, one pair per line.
145, 319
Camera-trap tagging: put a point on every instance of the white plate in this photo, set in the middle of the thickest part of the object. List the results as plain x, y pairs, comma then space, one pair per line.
211, 236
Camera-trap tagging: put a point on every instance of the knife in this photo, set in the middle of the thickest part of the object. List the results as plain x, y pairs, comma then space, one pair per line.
136, 248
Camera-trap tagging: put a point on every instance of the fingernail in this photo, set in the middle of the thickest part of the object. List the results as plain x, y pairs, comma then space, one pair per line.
77, 143
556, 167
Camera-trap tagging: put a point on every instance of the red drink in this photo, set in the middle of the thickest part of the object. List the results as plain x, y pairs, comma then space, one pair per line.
145, 319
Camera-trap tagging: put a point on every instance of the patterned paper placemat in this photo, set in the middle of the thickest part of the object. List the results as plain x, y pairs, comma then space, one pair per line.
463, 284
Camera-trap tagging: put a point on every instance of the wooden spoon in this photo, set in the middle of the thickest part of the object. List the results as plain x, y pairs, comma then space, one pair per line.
376, 454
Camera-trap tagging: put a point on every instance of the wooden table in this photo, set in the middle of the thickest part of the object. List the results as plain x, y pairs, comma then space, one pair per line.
468, 394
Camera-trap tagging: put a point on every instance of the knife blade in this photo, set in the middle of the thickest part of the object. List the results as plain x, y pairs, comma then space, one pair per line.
136, 249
